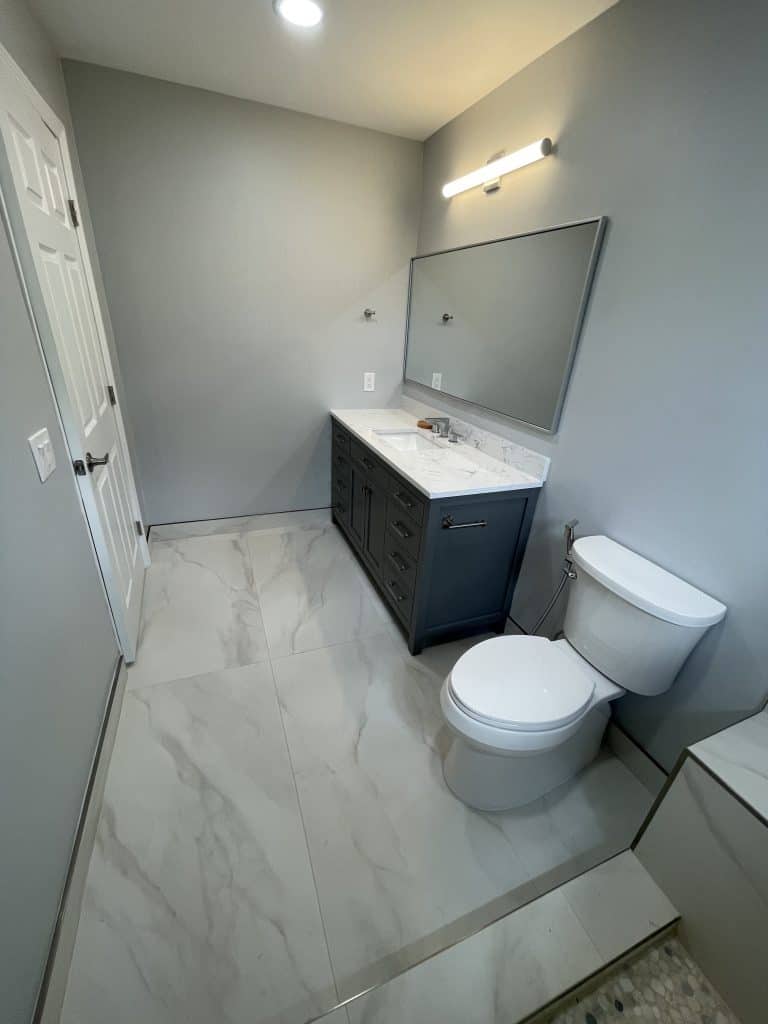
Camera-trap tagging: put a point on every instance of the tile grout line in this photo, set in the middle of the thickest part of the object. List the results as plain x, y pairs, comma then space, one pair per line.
306, 839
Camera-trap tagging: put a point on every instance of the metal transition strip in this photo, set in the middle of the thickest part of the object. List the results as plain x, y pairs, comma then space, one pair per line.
76, 846
481, 928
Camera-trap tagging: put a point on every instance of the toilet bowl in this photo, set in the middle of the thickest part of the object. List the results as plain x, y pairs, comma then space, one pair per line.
527, 713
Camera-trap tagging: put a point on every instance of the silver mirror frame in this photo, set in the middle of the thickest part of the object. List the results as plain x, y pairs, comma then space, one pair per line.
594, 259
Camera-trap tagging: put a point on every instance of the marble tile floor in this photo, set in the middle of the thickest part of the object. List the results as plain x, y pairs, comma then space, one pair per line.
276, 834
516, 966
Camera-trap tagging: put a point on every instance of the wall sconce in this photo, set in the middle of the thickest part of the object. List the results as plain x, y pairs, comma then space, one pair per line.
496, 168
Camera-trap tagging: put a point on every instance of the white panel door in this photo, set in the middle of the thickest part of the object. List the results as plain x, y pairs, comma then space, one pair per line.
96, 442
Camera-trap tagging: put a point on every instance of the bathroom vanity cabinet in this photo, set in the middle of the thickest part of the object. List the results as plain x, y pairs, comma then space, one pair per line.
446, 566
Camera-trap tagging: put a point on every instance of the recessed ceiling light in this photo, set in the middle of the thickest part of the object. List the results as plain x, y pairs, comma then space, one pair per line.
305, 13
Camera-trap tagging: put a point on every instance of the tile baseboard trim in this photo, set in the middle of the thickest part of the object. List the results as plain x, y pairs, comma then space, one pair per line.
50, 997
234, 519
643, 767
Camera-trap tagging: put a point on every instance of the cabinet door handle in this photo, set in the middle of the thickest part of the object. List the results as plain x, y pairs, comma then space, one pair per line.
401, 530
449, 524
404, 500
393, 590
399, 563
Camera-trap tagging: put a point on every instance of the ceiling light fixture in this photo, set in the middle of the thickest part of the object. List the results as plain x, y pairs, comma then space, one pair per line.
305, 13
505, 164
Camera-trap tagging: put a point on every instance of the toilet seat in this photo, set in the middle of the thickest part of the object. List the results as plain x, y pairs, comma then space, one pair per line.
522, 684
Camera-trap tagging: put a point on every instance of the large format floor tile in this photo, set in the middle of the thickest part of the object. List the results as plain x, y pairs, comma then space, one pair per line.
402, 867
200, 904
311, 590
495, 977
619, 904
200, 613
239, 877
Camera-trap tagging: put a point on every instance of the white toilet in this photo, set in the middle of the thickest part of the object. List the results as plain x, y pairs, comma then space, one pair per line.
529, 713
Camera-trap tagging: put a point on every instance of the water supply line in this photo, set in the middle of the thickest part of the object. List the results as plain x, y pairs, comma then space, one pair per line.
568, 573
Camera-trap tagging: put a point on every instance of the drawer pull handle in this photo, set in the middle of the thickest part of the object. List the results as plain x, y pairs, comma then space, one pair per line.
401, 530
341, 438
399, 563
341, 460
341, 485
404, 500
368, 464
449, 524
393, 590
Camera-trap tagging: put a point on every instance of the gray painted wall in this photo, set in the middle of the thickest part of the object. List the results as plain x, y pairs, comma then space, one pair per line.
58, 647
657, 110
239, 244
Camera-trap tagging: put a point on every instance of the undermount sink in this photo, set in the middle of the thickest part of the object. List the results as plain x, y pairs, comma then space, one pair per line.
407, 440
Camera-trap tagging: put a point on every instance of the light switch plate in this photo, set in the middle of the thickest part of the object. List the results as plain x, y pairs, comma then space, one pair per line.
369, 381
437, 381
43, 453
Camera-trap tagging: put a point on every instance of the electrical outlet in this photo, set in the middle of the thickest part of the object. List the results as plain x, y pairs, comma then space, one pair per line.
369, 381
437, 381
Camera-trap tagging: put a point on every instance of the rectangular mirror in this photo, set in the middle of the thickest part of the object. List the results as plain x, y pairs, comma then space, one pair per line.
497, 323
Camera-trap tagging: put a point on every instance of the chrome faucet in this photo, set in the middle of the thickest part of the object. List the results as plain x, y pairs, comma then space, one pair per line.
441, 425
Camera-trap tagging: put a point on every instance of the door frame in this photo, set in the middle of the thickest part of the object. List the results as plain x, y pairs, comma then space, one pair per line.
12, 75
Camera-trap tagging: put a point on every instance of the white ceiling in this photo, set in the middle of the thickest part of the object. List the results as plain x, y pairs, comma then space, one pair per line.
402, 66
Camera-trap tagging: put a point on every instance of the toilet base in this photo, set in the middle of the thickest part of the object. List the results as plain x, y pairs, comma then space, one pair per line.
490, 781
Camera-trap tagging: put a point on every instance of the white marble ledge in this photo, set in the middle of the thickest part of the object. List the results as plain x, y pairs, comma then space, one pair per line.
739, 756
450, 470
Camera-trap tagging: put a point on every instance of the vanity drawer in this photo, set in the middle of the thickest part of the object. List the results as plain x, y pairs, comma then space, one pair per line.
398, 564
407, 500
402, 530
341, 507
370, 464
341, 438
400, 598
340, 487
340, 467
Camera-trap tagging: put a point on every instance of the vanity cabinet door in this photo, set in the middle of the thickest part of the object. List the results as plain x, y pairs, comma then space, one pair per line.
376, 525
358, 506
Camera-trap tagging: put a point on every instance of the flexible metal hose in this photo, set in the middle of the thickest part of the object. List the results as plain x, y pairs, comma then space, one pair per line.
567, 575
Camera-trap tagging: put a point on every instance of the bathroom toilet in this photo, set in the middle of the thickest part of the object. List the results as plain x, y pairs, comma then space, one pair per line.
528, 713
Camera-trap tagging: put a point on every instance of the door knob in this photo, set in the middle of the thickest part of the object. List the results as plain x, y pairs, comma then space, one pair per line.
91, 462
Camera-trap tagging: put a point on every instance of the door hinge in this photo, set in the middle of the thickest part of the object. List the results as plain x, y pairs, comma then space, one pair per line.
111, 395
73, 213
139, 528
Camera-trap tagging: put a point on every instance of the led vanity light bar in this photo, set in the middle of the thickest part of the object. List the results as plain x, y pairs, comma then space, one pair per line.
495, 169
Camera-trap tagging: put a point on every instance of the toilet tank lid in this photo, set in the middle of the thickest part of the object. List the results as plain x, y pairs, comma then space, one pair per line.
645, 584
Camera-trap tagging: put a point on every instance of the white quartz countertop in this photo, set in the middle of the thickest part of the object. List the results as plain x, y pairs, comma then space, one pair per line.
739, 756
444, 470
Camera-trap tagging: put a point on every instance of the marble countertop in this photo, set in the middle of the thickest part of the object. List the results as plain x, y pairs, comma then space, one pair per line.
450, 470
739, 756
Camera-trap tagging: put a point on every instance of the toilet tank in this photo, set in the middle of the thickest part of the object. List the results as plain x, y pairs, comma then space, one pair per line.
632, 620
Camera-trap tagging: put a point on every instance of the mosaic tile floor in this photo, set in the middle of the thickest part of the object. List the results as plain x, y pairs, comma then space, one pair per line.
662, 985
